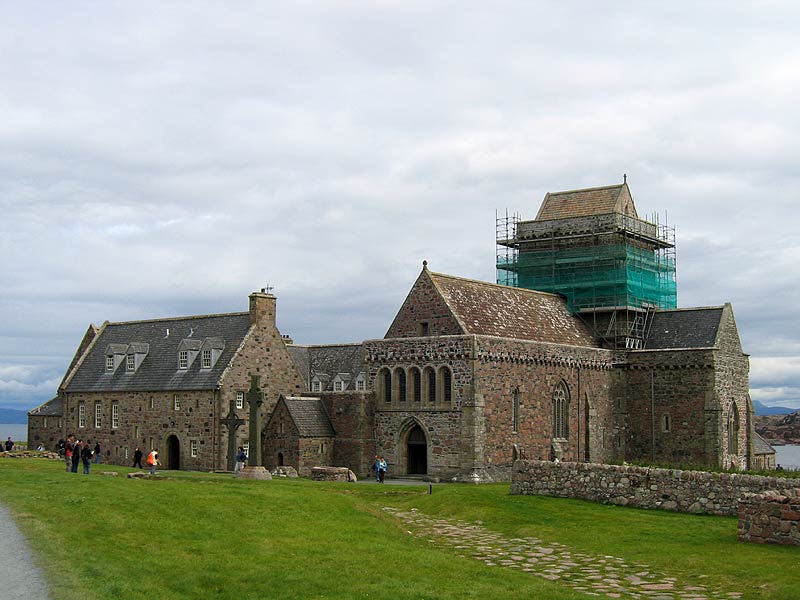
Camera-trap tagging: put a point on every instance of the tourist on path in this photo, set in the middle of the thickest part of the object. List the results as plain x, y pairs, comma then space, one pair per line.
9, 444
381, 470
97, 453
376, 467
86, 458
241, 458
152, 461
137, 458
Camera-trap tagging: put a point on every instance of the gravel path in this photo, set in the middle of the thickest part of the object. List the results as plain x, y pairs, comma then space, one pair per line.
606, 576
20, 578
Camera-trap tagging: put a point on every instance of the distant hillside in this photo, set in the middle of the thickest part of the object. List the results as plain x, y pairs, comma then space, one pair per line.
763, 409
779, 429
11, 416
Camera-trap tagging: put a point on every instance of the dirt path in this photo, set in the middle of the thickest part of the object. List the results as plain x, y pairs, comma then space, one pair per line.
21, 579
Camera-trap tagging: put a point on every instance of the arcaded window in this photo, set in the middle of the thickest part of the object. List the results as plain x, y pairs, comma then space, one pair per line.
401, 384
561, 412
447, 385
386, 385
733, 429
515, 410
430, 382
416, 385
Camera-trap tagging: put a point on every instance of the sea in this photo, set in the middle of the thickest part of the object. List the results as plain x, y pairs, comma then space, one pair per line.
788, 456
17, 431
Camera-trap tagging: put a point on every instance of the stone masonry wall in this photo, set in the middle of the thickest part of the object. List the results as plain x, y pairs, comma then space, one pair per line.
678, 386
665, 489
352, 415
147, 420
46, 430
770, 518
424, 304
535, 369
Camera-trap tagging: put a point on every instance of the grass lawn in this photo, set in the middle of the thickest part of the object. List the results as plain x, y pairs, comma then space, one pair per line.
197, 535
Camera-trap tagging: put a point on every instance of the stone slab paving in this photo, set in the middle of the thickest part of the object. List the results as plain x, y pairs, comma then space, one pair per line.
593, 575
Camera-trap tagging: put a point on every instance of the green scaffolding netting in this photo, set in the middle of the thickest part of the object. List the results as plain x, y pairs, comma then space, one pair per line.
600, 276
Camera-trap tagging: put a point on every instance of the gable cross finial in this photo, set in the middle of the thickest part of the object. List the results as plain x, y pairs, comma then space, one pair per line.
624, 178
267, 289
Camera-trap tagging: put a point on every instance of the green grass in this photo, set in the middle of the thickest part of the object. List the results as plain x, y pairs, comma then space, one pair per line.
196, 535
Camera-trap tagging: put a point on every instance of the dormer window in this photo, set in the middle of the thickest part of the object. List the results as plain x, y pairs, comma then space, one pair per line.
206, 359
338, 386
115, 356
361, 382
130, 363
211, 349
316, 385
136, 353
188, 350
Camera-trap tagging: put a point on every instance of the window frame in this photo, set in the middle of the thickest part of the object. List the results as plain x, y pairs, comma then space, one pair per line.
239, 399
115, 415
98, 415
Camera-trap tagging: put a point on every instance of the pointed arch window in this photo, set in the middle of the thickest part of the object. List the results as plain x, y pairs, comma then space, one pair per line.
401, 384
447, 385
386, 385
733, 429
416, 385
561, 412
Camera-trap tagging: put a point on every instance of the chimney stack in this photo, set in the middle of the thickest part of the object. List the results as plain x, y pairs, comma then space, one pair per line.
262, 308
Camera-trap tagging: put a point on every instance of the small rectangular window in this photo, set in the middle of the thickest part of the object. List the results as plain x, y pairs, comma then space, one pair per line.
239, 399
98, 415
152, 403
81, 415
115, 415
136, 432
131, 363
183, 359
246, 448
176, 401
360, 385
316, 386
126, 453
110, 362
338, 386
206, 359
44, 423
193, 445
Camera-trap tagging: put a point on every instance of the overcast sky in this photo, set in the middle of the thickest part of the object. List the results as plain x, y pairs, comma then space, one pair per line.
166, 159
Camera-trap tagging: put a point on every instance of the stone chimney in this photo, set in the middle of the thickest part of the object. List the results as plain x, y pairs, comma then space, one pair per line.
262, 308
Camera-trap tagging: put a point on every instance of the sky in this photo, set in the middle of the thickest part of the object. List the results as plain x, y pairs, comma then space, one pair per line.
167, 159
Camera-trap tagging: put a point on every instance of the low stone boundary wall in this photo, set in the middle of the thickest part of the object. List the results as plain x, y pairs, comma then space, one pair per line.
770, 518
665, 489
332, 474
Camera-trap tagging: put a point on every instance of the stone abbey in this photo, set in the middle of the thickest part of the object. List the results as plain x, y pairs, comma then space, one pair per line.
578, 353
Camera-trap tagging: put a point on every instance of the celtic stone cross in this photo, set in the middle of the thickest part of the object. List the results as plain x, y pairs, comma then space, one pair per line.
232, 422
255, 398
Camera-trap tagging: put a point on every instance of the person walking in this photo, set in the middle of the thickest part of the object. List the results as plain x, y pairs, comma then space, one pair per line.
241, 459
376, 466
152, 461
382, 470
86, 458
137, 458
97, 453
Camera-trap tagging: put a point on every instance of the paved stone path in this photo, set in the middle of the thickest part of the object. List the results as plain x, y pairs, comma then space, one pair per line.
19, 577
607, 576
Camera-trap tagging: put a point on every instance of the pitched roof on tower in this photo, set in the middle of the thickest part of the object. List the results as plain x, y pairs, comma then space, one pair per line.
587, 202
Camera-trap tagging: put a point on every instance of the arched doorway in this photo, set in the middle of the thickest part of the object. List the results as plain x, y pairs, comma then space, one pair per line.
417, 452
280, 459
173, 453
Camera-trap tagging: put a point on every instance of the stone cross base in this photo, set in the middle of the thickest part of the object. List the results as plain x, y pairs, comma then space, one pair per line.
254, 473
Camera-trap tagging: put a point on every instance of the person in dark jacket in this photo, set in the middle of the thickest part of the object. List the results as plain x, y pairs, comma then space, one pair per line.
137, 458
97, 453
86, 457
76, 455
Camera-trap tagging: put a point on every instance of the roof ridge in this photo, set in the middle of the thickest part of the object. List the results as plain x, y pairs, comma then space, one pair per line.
688, 308
162, 320
499, 285
590, 189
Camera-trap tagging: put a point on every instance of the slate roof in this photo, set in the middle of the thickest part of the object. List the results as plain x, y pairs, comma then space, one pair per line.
52, 408
310, 417
327, 361
502, 311
159, 369
761, 446
684, 328
581, 203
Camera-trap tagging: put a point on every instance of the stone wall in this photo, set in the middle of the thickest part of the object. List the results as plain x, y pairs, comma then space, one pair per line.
665, 489
46, 430
770, 518
352, 415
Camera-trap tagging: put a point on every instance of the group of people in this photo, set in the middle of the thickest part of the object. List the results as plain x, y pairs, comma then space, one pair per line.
379, 466
77, 451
